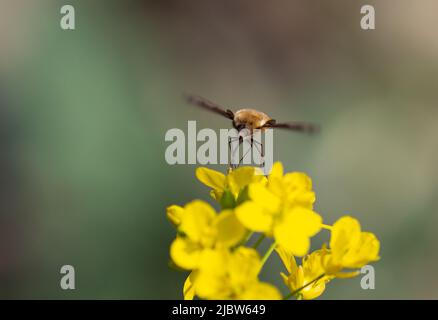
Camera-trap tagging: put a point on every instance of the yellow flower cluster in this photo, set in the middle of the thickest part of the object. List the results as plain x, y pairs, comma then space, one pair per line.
211, 244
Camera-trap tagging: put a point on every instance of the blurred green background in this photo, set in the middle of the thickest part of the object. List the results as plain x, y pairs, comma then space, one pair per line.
83, 114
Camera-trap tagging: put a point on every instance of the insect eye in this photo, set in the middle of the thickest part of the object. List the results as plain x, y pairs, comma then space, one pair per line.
238, 127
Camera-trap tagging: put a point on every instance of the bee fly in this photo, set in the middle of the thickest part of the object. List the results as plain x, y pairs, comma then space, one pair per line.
251, 120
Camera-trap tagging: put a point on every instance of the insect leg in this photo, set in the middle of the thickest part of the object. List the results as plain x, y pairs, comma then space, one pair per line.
261, 150
232, 152
243, 156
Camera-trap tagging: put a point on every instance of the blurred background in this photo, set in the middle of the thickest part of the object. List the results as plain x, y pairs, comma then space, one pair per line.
83, 114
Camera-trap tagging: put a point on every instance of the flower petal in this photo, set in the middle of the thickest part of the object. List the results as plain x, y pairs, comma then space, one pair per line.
346, 275
305, 220
198, 215
295, 229
229, 229
185, 253
287, 258
298, 180
174, 214
313, 291
264, 198
244, 266
240, 177
345, 233
260, 291
211, 278
211, 178
253, 217
297, 243
276, 171
189, 286
366, 251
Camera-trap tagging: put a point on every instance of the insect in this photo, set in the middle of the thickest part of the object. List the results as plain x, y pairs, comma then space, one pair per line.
251, 120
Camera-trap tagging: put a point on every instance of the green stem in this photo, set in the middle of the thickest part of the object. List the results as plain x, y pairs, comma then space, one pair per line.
247, 237
294, 293
259, 241
244, 240
267, 254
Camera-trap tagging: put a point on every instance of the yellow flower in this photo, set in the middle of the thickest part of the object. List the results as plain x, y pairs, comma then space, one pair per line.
282, 208
232, 275
202, 228
350, 247
234, 182
303, 277
293, 188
